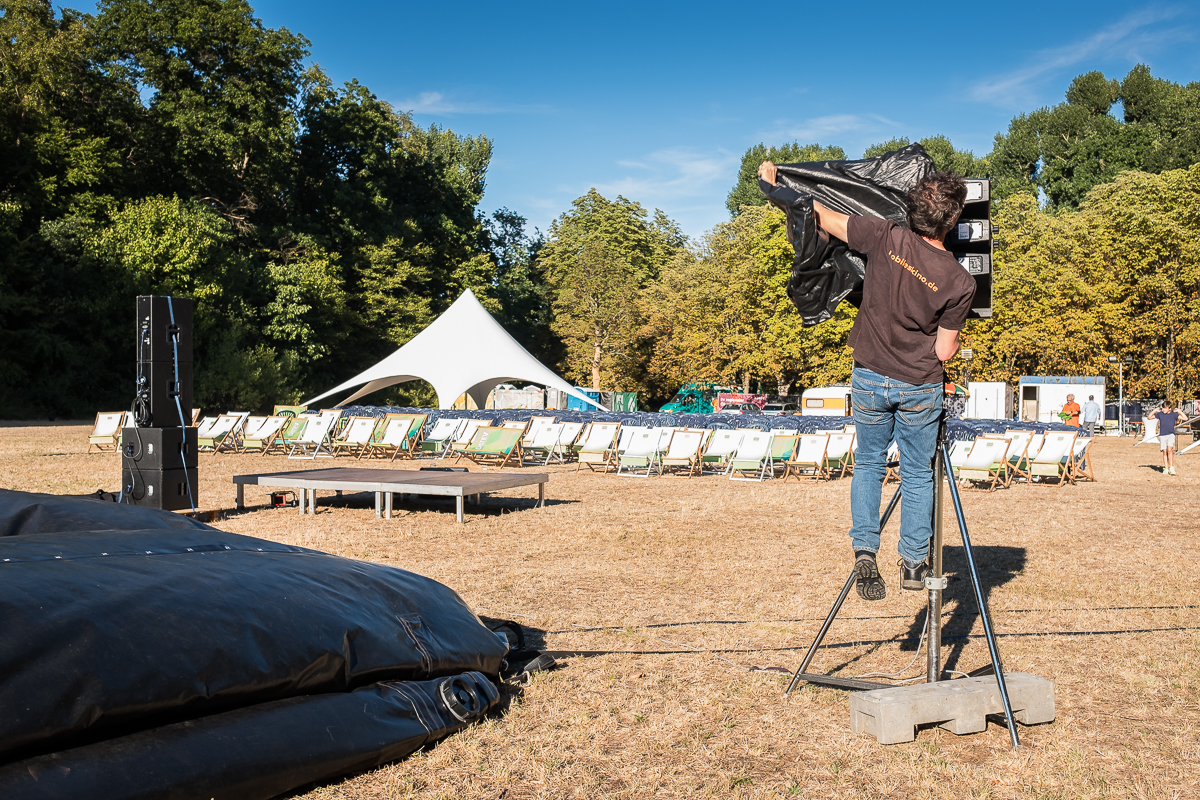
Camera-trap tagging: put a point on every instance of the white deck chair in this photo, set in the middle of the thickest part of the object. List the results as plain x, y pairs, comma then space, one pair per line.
627, 434
544, 442
959, 451
641, 450
810, 455
515, 424
355, 435
259, 433
392, 441
599, 446
107, 430
535, 425
753, 459
1151, 436
205, 426
1054, 458
985, 462
232, 442
222, 428
840, 454
567, 436
1081, 459
891, 456
444, 431
683, 451
721, 449
315, 436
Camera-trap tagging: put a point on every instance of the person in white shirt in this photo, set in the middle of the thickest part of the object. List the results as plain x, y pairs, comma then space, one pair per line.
1091, 415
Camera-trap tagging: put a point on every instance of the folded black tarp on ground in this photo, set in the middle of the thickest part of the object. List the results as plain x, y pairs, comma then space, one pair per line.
148, 655
825, 272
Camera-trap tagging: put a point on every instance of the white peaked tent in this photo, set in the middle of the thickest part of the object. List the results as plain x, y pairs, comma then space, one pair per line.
463, 350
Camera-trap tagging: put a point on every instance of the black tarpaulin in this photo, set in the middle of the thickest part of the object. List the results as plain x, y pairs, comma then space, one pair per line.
121, 620
825, 272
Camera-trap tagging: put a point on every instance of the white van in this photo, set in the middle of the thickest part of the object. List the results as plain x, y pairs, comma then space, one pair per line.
826, 401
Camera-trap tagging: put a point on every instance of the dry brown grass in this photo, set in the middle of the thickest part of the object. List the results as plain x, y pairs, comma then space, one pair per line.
618, 555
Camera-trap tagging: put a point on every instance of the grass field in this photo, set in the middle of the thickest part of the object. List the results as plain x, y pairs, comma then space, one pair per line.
1092, 586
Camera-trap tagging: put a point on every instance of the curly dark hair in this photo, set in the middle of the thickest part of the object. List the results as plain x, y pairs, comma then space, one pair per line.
935, 203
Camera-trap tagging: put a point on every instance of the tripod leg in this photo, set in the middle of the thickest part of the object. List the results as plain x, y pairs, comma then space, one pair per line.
837, 605
979, 598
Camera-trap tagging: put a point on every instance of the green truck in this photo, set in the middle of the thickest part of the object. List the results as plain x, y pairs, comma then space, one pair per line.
697, 397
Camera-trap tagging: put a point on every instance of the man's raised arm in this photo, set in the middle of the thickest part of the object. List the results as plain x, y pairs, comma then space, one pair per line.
832, 221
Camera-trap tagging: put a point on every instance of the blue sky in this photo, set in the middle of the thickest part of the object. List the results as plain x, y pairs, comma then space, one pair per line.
658, 101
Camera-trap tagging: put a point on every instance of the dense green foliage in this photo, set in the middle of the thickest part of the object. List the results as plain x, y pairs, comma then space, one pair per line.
179, 146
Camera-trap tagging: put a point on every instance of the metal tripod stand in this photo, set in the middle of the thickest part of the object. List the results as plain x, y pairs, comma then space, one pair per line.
943, 474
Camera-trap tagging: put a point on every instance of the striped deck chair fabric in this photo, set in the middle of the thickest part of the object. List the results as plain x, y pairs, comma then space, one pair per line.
494, 446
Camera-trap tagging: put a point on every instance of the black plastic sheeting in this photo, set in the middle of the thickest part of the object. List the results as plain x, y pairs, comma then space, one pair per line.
825, 271
131, 631
956, 428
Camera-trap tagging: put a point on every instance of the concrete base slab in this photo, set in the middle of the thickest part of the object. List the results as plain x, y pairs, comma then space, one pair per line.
960, 706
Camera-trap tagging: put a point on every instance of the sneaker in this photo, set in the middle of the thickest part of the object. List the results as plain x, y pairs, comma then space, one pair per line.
913, 577
1171, 471
870, 585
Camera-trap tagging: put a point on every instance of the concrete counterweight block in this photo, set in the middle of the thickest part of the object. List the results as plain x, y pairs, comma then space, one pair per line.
960, 706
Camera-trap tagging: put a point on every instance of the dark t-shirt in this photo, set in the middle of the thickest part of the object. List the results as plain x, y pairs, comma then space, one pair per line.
911, 289
1168, 422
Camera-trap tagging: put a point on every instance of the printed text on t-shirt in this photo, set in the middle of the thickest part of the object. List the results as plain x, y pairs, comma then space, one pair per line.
908, 267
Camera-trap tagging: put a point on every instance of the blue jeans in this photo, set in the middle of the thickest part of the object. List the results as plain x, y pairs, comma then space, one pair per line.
887, 409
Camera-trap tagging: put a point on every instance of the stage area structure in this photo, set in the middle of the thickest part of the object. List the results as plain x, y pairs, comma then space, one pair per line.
463, 351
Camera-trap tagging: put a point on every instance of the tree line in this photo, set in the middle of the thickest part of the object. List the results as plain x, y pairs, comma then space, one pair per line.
179, 146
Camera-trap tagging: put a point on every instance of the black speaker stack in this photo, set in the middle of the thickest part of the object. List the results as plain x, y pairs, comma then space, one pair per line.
158, 454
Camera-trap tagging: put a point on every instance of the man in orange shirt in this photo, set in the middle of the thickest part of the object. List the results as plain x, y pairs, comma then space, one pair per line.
1071, 412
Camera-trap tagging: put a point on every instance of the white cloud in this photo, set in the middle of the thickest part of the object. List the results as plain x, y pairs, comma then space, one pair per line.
828, 128
1128, 36
439, 105
673, 174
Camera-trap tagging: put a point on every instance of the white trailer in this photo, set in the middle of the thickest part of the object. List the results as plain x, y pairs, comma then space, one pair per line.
989, 400
1043, 396
826, 401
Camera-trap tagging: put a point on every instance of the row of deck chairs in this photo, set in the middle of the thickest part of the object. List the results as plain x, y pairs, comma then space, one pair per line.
992, 461
741, 454
326, 433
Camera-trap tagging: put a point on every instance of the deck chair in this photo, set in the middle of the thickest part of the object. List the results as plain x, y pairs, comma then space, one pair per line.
1024, 447
600, 445
106, 433
232, 441
722, 447
627, 434
393, 441
515, 424
262, 434
986, 462
195, 415
221, 429
355, 436
315, 437
753, 459
543, 443
840, 454
1151, 435
1081, 459
499, 446
292, 430
444, 431
959, 450
465, 434
640, 450
1054, 458
783, 446
535, 425
412, 444
809, 458
891, 456
568, 435
683, 452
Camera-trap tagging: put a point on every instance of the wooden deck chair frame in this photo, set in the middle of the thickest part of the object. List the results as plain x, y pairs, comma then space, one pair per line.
991, 473
388, 449
818, 465
232, 442
1062, 467
354, 427
1081, 461
535, 424
481, 451
263, 443
783, 448
689, 459
112, 439
842, 462
596, 456
1020, 464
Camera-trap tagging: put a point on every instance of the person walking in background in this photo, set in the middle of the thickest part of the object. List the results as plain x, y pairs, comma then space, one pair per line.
1070, 412
1168, 420
1091, 415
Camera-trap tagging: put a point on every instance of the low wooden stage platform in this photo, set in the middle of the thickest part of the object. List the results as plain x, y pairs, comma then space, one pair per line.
386, 482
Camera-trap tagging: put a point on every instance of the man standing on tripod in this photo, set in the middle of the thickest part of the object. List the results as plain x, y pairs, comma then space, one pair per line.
916, 297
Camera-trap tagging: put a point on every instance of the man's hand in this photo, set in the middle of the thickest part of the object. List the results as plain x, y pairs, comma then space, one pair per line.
946, 344
766, 171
